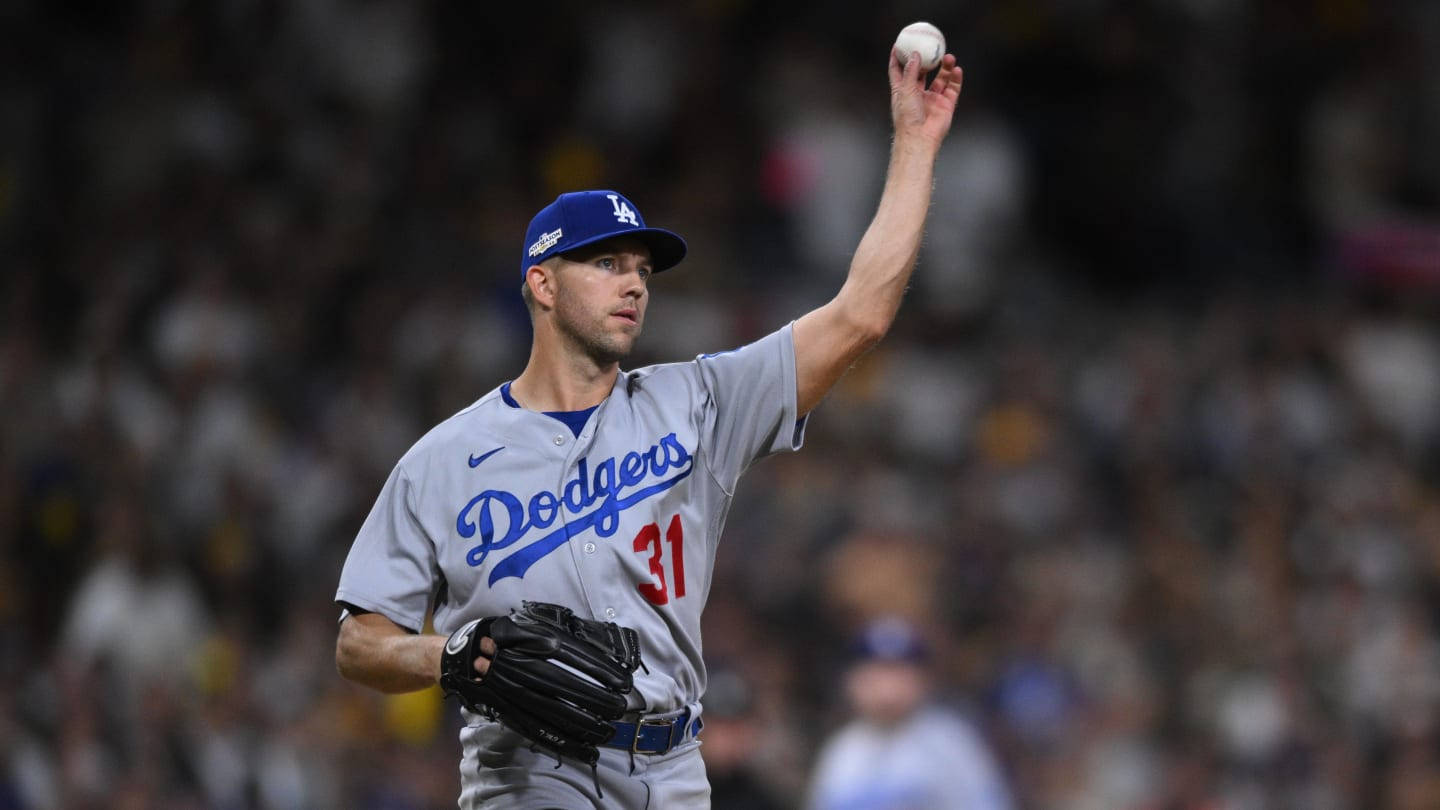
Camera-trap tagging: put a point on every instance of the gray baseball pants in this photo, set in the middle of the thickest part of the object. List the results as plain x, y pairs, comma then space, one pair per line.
498, 771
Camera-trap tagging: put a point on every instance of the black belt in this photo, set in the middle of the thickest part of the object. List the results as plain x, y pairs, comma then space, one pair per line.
654, 736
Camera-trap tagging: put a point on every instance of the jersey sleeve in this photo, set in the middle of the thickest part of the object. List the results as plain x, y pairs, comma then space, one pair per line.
391, 568
749, 404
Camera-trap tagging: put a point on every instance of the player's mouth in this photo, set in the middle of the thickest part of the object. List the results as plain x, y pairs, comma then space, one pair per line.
629, 315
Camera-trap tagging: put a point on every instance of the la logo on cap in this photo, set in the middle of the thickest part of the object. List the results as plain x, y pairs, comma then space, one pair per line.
623, 211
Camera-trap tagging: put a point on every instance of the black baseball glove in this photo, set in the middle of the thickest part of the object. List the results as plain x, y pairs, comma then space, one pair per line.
555, 678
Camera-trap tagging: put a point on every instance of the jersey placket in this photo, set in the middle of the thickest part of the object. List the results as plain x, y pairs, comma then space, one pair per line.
584, 545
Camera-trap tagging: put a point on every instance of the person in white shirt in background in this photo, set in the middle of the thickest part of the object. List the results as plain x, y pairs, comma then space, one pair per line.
903, 750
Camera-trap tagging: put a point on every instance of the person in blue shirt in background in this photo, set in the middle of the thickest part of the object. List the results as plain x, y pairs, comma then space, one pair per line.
903, 750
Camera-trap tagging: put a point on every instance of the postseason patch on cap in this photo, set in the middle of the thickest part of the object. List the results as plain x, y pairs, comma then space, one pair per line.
545, 242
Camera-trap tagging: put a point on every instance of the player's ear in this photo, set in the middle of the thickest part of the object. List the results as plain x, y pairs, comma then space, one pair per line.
540, 280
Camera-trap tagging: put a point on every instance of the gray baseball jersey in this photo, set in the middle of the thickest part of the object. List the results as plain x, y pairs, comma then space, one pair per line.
499, 504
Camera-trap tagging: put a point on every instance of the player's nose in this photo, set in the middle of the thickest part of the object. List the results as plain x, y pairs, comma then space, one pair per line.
636, 279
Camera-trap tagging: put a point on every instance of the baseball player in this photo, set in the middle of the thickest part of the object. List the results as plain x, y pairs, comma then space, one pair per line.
602, 493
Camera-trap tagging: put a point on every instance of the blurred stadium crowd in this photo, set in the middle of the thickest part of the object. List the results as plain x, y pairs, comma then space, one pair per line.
1151, 454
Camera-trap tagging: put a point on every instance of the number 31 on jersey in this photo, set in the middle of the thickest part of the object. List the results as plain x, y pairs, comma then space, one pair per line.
648, 540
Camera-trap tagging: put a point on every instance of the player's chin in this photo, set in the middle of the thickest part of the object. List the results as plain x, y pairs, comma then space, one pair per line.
624, 344
614, 347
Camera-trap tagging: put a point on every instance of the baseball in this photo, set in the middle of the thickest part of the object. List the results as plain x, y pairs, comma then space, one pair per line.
922, 37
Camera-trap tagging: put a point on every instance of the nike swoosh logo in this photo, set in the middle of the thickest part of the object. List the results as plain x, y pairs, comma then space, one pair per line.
475, 462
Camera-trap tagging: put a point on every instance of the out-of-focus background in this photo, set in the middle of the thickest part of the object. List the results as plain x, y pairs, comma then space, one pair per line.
1151, 454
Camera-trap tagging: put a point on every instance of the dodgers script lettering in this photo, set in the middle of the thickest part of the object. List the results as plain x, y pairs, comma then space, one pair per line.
588, 500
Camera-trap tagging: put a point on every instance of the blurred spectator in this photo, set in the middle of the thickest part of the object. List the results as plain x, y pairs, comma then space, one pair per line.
901, 750
732, 728
136, 612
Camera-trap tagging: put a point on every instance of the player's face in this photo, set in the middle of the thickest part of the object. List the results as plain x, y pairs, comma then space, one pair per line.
886, 692
601, 297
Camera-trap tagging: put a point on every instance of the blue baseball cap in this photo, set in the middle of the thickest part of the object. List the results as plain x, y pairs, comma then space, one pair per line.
580, 218
890, 639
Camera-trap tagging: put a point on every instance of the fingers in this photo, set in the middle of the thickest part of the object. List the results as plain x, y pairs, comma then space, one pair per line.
908, 72
912, 67
487, 651
957, 80
946, 79
949, 78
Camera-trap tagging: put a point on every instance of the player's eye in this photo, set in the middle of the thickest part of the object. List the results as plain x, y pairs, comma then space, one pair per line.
645, 273
606, 262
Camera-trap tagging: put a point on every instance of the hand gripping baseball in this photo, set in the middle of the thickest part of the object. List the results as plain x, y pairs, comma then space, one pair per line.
555, 678
922, 111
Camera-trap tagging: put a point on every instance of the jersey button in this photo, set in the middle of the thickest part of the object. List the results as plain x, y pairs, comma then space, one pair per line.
609, 613
559, 440
589, 548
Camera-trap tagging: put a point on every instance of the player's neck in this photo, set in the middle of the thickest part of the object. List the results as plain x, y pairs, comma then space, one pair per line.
569, 383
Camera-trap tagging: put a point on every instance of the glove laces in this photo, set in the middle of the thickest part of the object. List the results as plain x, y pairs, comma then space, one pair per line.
594, 768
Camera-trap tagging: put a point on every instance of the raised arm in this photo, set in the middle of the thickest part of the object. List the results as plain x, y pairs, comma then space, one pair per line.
831, 338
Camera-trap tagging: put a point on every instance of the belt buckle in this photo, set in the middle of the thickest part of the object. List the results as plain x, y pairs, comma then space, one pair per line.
665, 724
